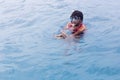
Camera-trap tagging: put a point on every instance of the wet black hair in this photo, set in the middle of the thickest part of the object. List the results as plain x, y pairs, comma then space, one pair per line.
77, 15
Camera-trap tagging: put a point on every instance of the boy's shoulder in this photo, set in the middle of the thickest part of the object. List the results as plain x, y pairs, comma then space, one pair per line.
69, 24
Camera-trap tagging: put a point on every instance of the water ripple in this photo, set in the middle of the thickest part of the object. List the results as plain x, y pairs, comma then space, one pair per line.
10, 49
103, 71
97, 19
2, 1
28, 47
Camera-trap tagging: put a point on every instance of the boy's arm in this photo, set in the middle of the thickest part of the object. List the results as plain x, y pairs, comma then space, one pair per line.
63, 33
66, 27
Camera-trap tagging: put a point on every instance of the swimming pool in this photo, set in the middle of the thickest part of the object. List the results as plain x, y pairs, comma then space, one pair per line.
29, 51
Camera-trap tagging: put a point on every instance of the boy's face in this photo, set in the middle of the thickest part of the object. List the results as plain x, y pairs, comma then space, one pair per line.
76, 22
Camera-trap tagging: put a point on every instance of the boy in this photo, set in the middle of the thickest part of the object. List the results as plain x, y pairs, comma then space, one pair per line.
75, 27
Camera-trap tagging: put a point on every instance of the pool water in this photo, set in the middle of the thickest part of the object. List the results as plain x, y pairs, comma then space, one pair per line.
29, 51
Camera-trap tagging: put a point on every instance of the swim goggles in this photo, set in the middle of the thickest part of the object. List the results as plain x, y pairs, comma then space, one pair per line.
75, 18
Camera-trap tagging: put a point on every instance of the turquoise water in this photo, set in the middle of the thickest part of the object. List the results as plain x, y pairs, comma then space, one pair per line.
29, 51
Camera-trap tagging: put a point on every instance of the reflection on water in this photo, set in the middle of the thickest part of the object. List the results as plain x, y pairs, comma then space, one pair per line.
29, 51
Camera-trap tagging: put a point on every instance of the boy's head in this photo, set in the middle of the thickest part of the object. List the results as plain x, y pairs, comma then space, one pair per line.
76, 17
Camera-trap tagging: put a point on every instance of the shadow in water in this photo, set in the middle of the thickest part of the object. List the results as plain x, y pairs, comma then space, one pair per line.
73, 44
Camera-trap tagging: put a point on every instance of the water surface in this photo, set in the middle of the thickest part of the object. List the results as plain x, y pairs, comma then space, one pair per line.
29, 51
